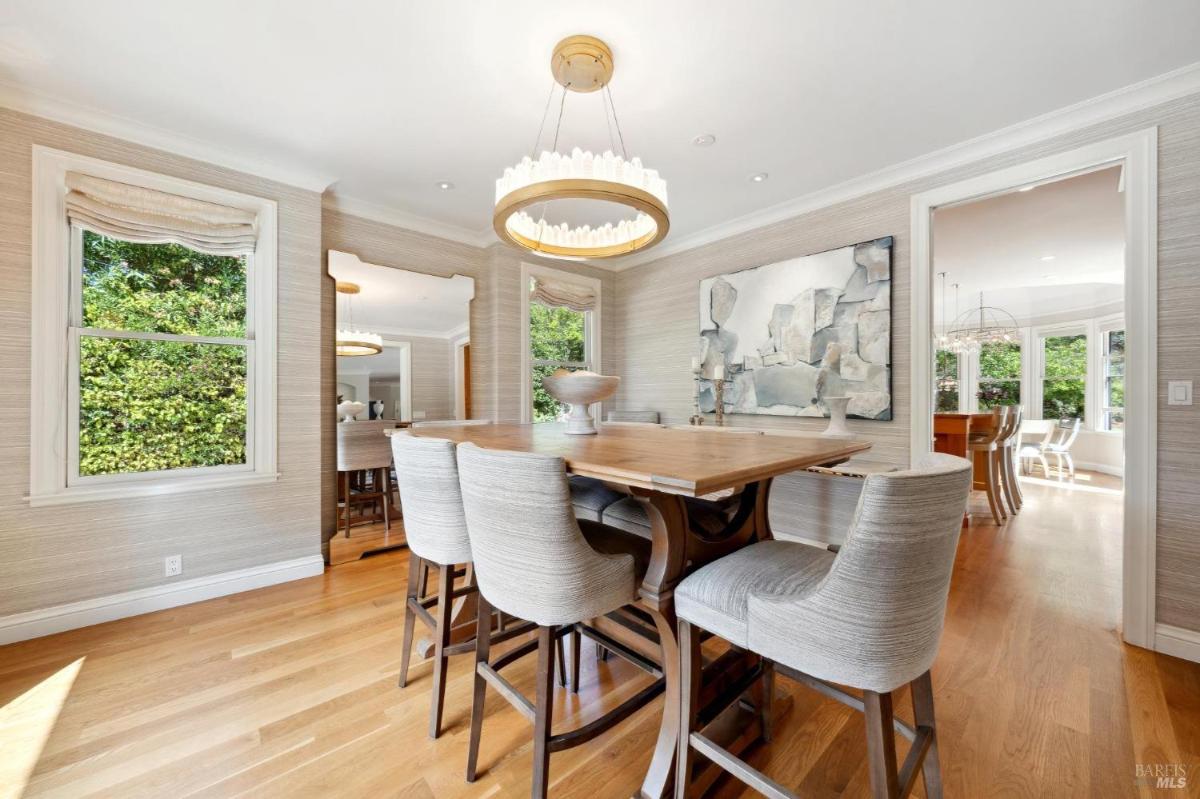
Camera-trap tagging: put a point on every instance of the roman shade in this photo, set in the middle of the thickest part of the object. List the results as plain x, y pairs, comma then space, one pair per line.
558, 294
134, 213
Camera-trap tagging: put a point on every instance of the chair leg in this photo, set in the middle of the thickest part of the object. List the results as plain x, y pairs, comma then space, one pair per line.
1004, 468
1045, 466
544, 715
387, 493
561, 660
881, 745
346, 504
689, 701
997, 482
423, 583
576, 644
989, 485
483, 641
441, 639
1016, 483
410, 618
922, 699
1070, 464
768, 699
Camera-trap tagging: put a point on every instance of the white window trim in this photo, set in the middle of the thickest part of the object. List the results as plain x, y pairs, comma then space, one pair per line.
1103, 326
592, 321
51, 347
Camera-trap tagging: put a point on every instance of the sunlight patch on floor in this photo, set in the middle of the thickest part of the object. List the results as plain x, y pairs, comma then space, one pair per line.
25, 725
1081, 482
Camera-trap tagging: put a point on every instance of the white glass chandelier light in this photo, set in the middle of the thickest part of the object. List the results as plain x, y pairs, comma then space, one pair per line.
985, 324
351, 341
581, 64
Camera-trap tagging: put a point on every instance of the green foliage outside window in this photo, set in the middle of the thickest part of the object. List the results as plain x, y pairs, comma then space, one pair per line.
946, 369
999, 375
1064, 379
1114, 380
556, 341
155, 405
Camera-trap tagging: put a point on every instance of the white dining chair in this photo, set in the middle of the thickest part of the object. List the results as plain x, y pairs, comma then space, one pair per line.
1061, 448
1026, 452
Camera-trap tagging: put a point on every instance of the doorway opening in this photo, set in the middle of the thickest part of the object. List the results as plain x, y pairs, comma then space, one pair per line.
1033, 323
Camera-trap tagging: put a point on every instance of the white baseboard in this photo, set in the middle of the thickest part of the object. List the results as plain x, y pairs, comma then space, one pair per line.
1102, 468
36, 623
1177, 641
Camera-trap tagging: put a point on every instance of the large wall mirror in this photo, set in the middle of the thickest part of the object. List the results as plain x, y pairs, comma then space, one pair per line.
404, 341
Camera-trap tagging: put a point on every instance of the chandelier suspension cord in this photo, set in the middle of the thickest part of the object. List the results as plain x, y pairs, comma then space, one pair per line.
612, 142
533, 154
616, 121
562, 104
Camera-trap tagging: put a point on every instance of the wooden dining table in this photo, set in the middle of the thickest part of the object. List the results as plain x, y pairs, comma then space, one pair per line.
661, 469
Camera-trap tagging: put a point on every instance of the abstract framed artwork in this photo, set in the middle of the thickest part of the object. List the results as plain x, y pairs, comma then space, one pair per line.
791, 333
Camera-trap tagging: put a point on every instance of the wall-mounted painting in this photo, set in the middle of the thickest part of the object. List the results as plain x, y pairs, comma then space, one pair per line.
794, 332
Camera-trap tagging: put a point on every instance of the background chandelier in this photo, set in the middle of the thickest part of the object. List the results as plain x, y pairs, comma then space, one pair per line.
986, 324
352, 341
581, 64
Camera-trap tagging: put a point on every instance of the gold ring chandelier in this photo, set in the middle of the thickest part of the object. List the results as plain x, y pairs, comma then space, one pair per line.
581, 64
351, 341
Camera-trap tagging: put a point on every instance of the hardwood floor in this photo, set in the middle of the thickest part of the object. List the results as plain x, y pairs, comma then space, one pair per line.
290, 691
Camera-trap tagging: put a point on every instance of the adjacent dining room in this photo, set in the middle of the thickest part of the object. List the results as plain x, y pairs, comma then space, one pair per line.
664, 401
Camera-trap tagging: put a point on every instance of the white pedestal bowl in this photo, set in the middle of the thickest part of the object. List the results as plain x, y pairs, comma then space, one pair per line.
349, 409
580, 390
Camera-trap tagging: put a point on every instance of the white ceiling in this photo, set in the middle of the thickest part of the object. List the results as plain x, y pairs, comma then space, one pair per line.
1057, 247
385, 98
401, 302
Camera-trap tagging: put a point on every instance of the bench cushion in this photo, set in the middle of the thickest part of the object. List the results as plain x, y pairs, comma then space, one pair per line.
590, 497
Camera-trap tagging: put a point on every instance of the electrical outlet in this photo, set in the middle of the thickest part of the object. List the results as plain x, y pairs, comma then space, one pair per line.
173, 565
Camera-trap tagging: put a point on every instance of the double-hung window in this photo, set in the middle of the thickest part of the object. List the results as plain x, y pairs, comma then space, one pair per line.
1113, 388
999, 374
561, 324
1064, 376
154, 331
947, 381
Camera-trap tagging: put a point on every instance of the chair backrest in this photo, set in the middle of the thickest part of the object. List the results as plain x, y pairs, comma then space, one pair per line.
531, 559
363, 445
875, 620
1068, 435
650, 417
1012, 425
1043, 429
999, 419
452, 423
427, 477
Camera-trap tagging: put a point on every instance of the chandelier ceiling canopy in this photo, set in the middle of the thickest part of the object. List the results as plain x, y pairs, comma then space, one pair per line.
525, 192
351, 341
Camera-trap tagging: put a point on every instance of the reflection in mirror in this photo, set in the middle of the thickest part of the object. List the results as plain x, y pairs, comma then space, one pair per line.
422, 369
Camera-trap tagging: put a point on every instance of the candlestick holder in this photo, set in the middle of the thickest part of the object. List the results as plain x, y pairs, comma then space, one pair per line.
719, 400
697, 417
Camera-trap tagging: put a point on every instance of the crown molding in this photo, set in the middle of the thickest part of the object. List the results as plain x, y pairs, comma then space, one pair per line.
1129, 99
25, 101
388, 215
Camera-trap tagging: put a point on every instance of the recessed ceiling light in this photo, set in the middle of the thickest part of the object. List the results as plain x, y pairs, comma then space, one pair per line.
704, 140
444, 185
1047, 257
759, 177
1027, 188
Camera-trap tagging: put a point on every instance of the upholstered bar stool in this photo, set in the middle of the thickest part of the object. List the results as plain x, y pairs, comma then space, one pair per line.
436, 530
362, 450
984, 450
1006, 458
534, 560
869, 617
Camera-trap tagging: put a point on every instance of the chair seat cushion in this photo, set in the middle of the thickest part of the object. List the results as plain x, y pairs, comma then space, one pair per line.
627, 514
590, 497
716, 597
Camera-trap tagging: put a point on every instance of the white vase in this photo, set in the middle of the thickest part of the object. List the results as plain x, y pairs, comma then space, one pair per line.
837, 417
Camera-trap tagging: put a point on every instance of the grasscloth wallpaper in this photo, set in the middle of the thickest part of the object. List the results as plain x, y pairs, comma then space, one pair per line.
657, 320
54, 555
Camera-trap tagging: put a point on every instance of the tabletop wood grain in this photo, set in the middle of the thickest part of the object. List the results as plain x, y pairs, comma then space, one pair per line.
688, 463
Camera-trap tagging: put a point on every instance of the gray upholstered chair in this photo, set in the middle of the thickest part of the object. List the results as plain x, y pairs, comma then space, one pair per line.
436, 531
362, 452
536, 561
869, 617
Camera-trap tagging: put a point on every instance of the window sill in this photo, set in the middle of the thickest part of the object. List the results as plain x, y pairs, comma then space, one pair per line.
81, 494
